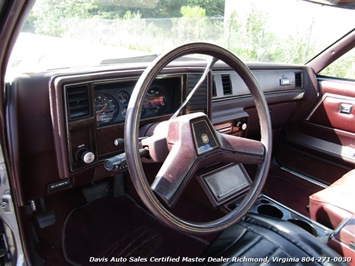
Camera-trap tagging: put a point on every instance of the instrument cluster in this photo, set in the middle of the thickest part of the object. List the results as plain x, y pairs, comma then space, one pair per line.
111, 100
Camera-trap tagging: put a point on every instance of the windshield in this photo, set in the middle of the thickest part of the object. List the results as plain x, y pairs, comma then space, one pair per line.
66, 33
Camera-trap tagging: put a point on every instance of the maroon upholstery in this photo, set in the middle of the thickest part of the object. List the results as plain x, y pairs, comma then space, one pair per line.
331, 205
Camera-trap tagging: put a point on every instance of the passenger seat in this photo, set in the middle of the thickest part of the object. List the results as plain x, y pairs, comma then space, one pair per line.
334, 207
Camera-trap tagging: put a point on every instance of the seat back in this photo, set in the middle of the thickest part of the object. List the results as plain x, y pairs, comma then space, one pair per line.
332, 205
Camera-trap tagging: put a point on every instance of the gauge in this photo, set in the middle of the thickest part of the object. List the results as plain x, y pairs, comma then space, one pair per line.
155, 100
123, 97
106, 108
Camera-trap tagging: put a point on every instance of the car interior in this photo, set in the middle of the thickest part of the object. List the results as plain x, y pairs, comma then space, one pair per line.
180, 160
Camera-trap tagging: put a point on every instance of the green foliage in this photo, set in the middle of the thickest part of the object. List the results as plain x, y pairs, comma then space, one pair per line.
212, 7
47, 17
344, 67
192, 12
194, 25
251, 40
130, 15
171, 8
233, 27
124, 23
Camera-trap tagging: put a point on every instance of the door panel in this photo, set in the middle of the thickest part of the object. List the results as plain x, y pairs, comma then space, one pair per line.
336, 109
323, 145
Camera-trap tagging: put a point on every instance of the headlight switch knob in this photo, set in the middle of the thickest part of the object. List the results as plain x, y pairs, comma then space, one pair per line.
87, 157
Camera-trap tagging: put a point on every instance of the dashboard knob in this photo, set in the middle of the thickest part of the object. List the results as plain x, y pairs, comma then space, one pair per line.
244, 126
88, 157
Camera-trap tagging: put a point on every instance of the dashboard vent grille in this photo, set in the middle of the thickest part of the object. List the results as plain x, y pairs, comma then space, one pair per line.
298, 80
227, 85
198, 103
78, 102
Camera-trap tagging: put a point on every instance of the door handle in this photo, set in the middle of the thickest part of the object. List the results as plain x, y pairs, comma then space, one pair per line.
345, 108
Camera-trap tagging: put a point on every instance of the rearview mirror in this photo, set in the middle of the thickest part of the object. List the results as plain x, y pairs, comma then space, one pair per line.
349, 4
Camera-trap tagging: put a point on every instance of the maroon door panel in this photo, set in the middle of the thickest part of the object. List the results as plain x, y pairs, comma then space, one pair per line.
337, 87
336, 109
323, 145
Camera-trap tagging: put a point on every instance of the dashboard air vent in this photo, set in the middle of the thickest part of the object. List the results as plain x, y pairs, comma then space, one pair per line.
298, 80
78, 103
227, 85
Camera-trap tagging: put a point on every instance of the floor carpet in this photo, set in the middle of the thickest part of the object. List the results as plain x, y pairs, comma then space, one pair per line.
290, 190
117, 228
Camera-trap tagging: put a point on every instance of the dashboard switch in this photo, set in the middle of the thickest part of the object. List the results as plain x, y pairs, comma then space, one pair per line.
88, 157
116, 162
119, 162
118, 142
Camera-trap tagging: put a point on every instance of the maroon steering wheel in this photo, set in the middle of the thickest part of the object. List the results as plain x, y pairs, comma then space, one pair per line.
179, 141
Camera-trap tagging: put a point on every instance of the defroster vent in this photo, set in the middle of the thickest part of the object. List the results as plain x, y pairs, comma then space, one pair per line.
78, 103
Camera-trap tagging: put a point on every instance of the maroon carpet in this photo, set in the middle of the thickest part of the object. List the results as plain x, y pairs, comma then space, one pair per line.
290, 190
118, 228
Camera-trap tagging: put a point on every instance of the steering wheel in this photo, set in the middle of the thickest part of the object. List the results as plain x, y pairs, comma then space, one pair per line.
188, 142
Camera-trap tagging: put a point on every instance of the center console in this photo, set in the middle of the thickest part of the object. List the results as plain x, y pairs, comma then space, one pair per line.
267, 206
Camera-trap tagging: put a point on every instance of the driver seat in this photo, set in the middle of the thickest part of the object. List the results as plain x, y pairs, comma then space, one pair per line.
256, 237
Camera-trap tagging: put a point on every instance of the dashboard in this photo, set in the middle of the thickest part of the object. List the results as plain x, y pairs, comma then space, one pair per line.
64, 123
93, 114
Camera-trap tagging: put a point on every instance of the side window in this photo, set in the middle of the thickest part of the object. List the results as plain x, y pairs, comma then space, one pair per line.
343, 67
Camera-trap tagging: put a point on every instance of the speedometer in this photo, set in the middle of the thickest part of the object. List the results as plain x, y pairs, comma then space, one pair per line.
106, 109
155, 100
